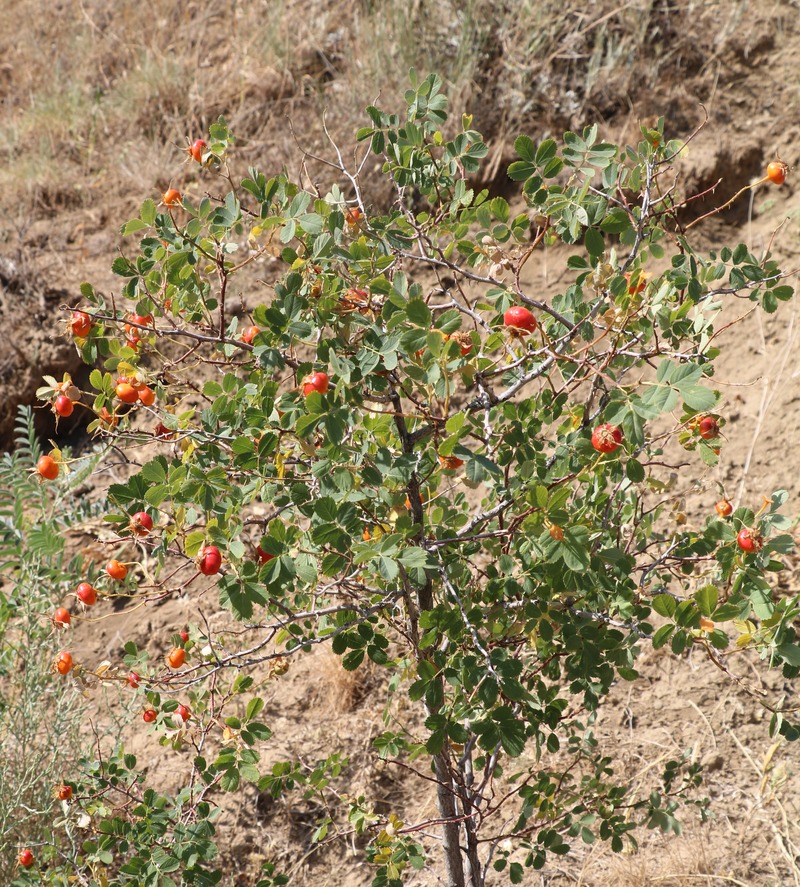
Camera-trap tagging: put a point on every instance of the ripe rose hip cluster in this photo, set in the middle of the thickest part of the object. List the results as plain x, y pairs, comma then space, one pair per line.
141, 524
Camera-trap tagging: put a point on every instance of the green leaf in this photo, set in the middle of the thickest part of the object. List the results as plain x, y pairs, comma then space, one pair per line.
574, 548
132, 227
479, 468
706, 599
680, 641
761, 601
511, 730
230, 780
353, 659
455, 423
193, 542
123, 268
435, 743
769, 303
154, 472
789, 653
239, 599
415, 557
635, 471
524, 147
253, 708
148, 212
259, 731
520, 170
577, 263
665, 605
378, 143
726, 612
783, 293
163, 861
546, 151
388, 568
594, 243
414, 340
656, 400
311, 223
616, 222
419, 313
500, 209
698, 398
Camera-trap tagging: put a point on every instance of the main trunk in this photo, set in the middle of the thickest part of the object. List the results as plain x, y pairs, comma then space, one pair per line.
454, 865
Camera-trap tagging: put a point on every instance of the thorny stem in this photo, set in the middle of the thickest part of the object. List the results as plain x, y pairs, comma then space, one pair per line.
725, 205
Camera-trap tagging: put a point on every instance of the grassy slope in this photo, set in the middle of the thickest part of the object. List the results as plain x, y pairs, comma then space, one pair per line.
123, 86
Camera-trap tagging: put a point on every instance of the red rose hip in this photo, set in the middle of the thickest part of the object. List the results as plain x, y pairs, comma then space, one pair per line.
196, 150
47, 468
64, 662
116, 570
316, 382
210, 560
249, 334
141, 523
80, 324
776, 172
606, 438
520, 318
25, 858
176, 658
86, 593
264, 557
724, 508
749, 540
708, 428
63, 406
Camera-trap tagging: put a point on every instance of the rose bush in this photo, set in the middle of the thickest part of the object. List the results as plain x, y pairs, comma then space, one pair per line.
407, 455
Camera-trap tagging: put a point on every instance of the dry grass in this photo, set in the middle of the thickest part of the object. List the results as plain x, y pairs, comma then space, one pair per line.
342, 691
126, 83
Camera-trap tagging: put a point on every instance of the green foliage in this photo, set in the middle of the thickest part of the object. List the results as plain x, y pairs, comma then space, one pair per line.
37, 742
442, 509
158, 840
